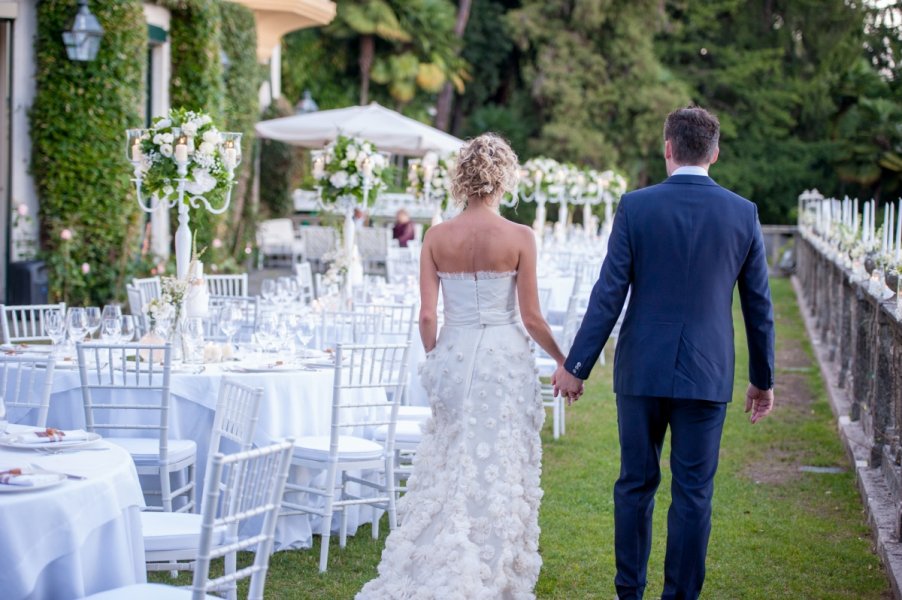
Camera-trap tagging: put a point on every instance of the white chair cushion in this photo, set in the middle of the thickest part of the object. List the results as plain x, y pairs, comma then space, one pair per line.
147, 450
349, 448
174, 531
414, 413
406, 432
147, 591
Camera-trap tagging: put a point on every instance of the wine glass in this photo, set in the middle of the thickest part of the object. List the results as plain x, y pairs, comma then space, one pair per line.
127, 329
55, 327
269, 290
76, 324
304, 332
93, 320
230, 319
268, 331
284, 290
193, 338
111, 311
111, 329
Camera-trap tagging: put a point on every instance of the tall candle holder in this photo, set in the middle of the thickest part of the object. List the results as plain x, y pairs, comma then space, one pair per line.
181, 196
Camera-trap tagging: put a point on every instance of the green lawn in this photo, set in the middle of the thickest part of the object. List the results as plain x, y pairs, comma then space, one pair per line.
777, 532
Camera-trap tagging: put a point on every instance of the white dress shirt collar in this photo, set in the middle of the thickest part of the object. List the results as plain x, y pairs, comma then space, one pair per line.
690, 170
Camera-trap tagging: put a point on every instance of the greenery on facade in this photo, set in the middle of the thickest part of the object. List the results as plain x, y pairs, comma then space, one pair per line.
278, 167
78, 121
241, 108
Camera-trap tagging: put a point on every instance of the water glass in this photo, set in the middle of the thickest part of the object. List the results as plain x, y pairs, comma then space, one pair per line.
93, 320
111, 311
127, 329
193, 340
269, 290
111, 330
304, 332
230, 320
76, 324
55, 326
268, 332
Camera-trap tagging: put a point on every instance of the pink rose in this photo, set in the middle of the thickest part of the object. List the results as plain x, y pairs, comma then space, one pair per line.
85, 268
22, 209
217, 243
66, 235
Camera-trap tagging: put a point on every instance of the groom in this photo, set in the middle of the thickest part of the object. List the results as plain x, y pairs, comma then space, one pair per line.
682, 246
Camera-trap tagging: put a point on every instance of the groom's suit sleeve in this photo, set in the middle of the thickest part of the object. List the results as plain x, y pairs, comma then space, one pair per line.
758, 312
606, 300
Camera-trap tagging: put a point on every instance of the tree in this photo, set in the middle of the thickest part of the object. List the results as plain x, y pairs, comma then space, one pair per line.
443, 105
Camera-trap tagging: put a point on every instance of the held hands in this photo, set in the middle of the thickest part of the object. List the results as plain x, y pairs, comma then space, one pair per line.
567, 385
759, 402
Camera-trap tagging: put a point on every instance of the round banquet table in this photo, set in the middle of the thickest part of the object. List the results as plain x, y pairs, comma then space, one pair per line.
75, 538
295, 403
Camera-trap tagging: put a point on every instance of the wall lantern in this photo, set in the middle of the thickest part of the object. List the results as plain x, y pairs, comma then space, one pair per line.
83, 37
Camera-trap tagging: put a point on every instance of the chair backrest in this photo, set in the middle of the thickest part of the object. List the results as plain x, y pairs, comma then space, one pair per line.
136, 299
150, 287
318, 241
373, 243
361, 367
25, 383
324, 288
304, 274
348, 327
395, 320
235, 420
109, 371
226, 285
254, 481
402, 263
25, 323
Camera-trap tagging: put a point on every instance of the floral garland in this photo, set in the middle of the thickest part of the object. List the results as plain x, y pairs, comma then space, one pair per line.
210, 159
442, 171
343, 165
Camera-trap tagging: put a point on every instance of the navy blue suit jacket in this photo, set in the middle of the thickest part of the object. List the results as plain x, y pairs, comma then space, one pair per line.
682, 246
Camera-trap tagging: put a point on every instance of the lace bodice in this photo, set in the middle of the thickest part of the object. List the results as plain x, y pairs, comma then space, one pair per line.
480, 299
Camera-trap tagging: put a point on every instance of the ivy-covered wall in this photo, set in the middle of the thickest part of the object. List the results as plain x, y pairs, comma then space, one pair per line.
78, 121
241, 106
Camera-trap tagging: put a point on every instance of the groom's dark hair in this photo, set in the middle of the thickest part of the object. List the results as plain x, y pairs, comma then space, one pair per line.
693, 133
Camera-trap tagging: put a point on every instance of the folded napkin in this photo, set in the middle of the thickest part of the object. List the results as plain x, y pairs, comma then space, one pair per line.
27, 477
49, 436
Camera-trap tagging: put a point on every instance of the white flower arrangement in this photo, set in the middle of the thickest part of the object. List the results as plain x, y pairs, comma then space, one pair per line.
343, 166
159, 310
438, 170
190, 138
339, 264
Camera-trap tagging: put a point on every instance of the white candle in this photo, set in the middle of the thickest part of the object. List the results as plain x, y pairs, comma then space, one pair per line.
367, 168
137, 155
538, 178
318, 167
891, 236
231, 156
866, 224
427, 172
884, 227
855, 215
873, 220
181, 153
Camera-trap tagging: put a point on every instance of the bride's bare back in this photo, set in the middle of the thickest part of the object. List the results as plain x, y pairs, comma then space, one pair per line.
477, 240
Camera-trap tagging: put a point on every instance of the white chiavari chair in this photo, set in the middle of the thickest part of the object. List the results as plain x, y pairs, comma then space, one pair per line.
373, 243
25, 323
318, 241
304, 274
125, 388
226, 285
25, 384
276, 239
253, 482
150, 287
136, 299
402, 264
362, 373
171, 539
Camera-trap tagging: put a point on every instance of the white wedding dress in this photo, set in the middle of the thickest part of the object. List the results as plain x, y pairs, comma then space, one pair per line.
469, 520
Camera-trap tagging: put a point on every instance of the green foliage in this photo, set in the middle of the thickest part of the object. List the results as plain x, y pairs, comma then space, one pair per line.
277, 167
78, 122
241, 110
321, 63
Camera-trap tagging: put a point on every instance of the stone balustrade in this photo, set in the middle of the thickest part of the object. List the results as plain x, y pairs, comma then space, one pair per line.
862, 340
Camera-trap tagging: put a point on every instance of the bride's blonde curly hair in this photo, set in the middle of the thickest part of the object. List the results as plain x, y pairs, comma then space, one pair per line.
486, 168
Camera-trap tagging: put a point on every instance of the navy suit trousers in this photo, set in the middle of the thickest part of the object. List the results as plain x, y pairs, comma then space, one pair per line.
695, 432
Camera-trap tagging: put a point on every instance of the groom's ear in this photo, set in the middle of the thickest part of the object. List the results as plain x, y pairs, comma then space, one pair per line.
668, 150
715, 155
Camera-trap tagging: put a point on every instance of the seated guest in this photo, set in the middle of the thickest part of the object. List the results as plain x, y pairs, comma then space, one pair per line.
403, 230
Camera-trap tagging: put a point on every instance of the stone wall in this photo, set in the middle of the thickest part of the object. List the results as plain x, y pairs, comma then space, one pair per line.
861, 339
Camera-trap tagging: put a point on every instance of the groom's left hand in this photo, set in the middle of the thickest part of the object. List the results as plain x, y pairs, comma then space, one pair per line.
567, 385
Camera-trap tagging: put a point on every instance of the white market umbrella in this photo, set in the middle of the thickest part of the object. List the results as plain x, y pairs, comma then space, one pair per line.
388, 130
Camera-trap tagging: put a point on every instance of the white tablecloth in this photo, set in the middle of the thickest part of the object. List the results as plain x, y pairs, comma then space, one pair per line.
76, 538
295, 403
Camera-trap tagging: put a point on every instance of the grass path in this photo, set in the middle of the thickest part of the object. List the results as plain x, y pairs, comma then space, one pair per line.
777, 532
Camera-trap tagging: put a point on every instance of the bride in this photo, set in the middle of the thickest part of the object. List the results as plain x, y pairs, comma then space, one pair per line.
470, 516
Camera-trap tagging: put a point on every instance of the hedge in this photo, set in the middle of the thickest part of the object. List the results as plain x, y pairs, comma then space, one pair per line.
78, 121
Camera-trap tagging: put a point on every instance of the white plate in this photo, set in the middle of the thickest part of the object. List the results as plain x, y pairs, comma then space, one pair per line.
7, 442
270, 367
6, 488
